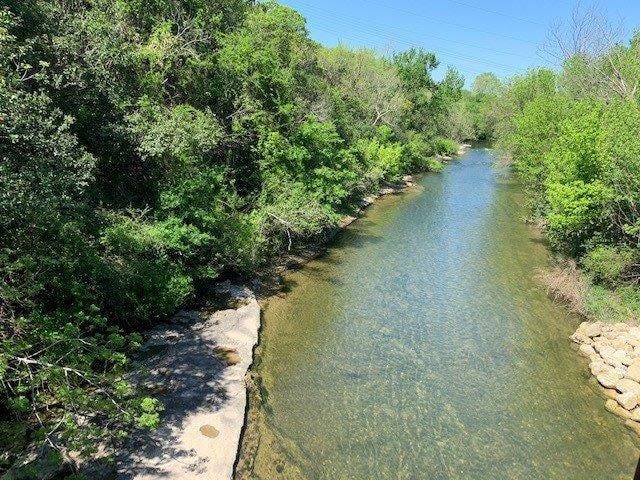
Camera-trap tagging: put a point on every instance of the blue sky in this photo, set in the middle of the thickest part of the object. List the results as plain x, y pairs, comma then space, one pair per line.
475, 36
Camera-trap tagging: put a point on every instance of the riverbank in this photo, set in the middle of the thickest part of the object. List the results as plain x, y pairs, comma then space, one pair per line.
614, 354
609, 337
196, 365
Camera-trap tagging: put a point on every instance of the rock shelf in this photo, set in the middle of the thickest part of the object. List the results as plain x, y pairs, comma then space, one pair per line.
196, 365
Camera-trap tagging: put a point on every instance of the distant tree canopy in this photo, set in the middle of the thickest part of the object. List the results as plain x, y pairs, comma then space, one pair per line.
147, 148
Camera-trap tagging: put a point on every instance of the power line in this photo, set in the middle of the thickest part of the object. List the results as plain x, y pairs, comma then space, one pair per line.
365, 41
495, 12
446, 22
366, 30
367, 23
411, 42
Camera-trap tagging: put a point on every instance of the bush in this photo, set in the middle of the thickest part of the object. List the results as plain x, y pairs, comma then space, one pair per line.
608, 264
444, 146
384, 161
575, 212
433, 165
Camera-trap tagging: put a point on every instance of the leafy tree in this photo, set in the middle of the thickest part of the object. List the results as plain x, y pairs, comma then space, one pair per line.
148, 147
573, 137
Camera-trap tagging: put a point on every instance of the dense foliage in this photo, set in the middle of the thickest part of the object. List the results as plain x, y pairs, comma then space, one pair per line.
574, 139
148, 147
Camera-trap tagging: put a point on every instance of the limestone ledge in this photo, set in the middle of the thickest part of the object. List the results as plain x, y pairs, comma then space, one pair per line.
196, 365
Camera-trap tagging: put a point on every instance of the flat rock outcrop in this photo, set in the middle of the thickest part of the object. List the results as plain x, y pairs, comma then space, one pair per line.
196, 365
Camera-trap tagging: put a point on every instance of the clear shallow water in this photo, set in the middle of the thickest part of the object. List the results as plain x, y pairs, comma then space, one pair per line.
421, 347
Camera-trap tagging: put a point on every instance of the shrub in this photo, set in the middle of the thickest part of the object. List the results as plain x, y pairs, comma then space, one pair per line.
444, 146
434, 165
607, 264
384, 161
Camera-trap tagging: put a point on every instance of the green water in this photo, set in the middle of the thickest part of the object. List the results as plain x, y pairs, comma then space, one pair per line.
422, 347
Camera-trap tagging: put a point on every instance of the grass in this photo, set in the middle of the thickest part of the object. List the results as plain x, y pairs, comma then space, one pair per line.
565, 282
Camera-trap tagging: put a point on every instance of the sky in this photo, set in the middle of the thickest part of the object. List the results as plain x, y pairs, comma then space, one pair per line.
505, 37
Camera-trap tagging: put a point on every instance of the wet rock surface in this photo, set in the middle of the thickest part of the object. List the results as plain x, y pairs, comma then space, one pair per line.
614, 351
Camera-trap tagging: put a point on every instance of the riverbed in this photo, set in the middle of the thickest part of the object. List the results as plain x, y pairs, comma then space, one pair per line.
421, 346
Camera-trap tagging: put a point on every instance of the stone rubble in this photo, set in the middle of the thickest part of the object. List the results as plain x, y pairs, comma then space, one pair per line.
614, 352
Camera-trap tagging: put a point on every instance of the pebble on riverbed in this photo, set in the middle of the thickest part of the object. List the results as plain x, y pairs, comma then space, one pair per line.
614, 352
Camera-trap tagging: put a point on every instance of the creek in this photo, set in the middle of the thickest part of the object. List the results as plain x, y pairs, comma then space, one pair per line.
421, 346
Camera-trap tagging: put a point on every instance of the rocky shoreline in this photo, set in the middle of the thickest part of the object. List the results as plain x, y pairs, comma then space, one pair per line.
614, 354
195, 364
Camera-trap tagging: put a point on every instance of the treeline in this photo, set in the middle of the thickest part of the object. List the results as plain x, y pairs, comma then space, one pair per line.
150, 146
573, 136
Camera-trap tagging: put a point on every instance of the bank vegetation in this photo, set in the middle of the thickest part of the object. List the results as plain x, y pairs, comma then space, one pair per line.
573, 137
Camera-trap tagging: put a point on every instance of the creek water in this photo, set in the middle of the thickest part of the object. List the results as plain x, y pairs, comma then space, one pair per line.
421, 346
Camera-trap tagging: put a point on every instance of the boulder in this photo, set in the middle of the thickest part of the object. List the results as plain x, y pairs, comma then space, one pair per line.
580, 338
346, 221
598, 366
605, 350
628, 400
593, 329
611, 393
622, 370
609, 334
623, 357
633, 372
615, 358
625, 385
366, 201
587, 350
601, 343
635, 414
582, 327
609, 379
631, 339
633, 425
613, 406
620, 343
